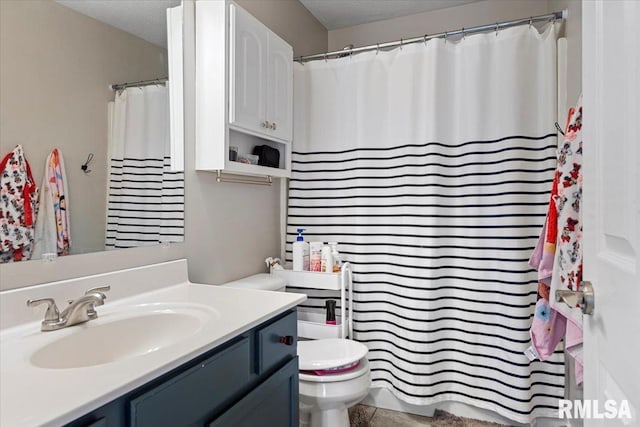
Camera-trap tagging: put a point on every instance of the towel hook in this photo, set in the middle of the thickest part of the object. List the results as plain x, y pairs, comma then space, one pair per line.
85, 165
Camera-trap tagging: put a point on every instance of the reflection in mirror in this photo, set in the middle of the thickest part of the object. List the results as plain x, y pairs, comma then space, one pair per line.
90, 126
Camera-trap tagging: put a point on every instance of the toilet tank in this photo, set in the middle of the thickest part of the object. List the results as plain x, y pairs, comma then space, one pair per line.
262, 281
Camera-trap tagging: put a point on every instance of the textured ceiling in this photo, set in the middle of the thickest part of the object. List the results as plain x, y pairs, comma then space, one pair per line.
146, 19
334, 14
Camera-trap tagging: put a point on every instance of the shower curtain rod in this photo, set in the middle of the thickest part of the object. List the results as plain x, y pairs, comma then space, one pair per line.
120, 86
561, 15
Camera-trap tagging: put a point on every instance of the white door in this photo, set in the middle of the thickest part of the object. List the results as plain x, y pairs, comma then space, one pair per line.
280, 88
611, 135
248, 59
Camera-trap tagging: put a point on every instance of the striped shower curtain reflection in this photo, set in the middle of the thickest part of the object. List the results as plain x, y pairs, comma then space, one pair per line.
431, 166
145, 204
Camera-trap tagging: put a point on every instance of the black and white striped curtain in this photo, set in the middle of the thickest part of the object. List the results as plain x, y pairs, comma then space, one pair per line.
432, 167
145, 203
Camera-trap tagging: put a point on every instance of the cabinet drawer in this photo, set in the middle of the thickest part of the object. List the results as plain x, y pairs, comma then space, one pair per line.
272, 403
271, 350
197, 392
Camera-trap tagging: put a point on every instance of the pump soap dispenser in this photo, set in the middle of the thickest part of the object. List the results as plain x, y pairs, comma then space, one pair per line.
300, 253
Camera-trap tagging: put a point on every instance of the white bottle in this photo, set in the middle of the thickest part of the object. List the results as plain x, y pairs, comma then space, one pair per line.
326, 264
315, 256
300, 253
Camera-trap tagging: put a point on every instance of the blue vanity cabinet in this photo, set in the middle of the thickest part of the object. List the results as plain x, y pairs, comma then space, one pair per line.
250, 380
264, 405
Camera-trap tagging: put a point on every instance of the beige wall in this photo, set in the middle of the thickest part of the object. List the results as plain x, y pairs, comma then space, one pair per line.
55, 68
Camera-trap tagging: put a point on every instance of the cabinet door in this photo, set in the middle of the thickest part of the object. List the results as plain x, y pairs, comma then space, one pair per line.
197, 393
247, 74
272, 403
280, 87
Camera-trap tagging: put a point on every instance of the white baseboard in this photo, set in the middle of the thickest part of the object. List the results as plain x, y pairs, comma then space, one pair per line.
383, 398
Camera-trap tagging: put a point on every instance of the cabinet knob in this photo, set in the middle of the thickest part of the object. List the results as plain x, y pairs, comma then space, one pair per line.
266, 124
287, 340
273, 126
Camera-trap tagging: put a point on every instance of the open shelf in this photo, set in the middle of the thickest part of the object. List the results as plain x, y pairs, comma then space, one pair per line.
311, 279
312, 325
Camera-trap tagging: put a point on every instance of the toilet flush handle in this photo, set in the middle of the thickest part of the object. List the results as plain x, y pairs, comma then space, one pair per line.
287, 340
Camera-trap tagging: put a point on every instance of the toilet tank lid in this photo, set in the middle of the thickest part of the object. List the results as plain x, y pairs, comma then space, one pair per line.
263, 281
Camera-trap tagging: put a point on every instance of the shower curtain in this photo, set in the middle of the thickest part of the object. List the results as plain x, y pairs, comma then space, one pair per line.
431, 165
145, 203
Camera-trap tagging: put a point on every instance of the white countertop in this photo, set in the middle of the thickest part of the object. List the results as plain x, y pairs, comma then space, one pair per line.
33, 396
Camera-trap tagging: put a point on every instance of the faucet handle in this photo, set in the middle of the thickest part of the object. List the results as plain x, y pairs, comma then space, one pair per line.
52, 313
99, 289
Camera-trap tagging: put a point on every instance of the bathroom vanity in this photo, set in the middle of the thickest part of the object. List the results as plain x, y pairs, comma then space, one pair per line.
170, 353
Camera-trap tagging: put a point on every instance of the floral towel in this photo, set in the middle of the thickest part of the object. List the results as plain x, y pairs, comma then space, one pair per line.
18, 206
558, 255
52, 233
547, 330
58, 184
567, 269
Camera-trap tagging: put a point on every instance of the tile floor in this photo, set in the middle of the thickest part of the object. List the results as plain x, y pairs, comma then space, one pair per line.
369, 416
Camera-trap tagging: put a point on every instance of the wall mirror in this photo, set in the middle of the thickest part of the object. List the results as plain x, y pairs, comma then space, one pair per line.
91, 96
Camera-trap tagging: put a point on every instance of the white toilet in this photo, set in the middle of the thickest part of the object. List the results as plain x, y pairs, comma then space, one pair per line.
334, 373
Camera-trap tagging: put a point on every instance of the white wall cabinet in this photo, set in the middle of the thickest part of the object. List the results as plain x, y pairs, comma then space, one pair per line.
244, 93
280, 88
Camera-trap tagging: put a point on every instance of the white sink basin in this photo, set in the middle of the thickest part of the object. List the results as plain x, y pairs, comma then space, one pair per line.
133, 331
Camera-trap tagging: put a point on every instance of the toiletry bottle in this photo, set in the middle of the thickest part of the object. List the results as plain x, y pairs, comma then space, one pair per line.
300, 253
335, 255
326, 264
330, 306
315, 256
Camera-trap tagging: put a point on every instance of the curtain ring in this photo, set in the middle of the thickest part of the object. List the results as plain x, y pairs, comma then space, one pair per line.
377, 48
445, 37
401, 43
530, 22
325, 57
463, 34
496, 29
425, 39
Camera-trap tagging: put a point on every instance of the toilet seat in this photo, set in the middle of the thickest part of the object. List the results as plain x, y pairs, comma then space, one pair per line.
362, 369
329, 353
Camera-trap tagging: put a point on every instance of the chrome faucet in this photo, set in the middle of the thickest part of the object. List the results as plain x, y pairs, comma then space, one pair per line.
78, 311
